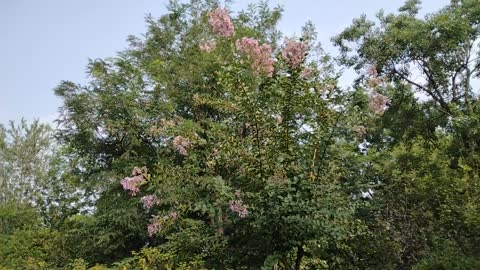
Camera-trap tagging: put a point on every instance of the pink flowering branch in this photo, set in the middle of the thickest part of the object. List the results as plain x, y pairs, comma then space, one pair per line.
237, 206
259, 55
149, 201
133, 183
157, 223
181, 145
294, 53
220, 21
378, 103
208, 46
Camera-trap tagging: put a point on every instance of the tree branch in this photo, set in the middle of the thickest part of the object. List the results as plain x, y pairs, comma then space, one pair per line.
442, 102
298, 261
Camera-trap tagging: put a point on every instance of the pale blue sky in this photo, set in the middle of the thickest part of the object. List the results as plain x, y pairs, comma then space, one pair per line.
47, 41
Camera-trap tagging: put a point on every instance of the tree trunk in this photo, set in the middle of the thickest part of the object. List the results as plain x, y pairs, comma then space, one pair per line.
298, 261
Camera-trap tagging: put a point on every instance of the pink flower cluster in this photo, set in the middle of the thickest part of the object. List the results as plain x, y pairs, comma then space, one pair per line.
372, 71
306, 73
373, 80
181, 144
260, 55
155, 226
157, 223
208, 46
133, 183
237, 206
294, 52
149, 201
220, 21
378, 103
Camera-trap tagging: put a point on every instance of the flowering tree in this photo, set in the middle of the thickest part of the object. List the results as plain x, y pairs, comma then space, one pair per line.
214, 142
232, 124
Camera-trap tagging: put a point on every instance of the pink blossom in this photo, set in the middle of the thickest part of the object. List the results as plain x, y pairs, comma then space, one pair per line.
279, 119
149, 201
181, 145
173, 215
246, 44
294, 52
157, 222
372, 71
134, 182
260, 55
238, 206
208, 46
378, 103
306, 73
155, 226
373, 80
220, 21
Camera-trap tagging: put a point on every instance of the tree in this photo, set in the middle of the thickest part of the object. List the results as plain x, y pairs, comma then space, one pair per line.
24, 156
34, 172
228, 133
425, 146
436, 55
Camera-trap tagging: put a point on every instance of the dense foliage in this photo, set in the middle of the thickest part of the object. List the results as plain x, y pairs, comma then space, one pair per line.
213, 142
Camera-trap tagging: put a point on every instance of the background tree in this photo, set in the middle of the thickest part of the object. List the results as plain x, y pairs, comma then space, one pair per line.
25, 152
425, 145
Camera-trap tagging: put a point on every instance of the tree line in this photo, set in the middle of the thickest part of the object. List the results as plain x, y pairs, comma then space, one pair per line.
215, 142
